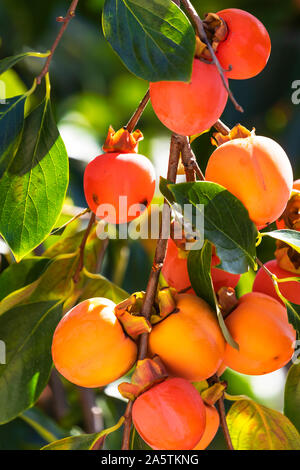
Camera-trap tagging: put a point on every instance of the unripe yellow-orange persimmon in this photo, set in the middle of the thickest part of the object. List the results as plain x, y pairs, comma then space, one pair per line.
189, 341
259, 324
89, 346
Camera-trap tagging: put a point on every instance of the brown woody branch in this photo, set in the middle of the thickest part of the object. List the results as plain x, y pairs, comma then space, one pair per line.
138, 112
65, 20
189, 161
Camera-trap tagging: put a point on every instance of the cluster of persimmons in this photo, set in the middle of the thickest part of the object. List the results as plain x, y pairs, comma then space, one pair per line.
94, 345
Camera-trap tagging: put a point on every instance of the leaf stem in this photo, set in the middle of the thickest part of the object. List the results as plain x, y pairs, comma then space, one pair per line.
65, 20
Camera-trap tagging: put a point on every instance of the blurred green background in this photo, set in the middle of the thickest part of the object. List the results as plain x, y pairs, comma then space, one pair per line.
91, 89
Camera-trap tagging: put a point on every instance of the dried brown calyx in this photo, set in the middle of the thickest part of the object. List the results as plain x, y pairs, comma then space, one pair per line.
291, 215
216, 31
122, 141
227, 300
148, 373
237, 132
287, 257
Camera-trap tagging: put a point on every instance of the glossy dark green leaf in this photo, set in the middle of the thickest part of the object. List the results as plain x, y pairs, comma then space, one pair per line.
199, 267
102, 287
291, 237
27, 332
256, 427
292, 394
153, 38
84, 441
226, 222
293, 311
43, 424
33, 188
11, 125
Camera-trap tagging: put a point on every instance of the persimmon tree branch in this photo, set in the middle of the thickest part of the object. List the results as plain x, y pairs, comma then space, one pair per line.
189, 161
196, 20
161, 246
65, 20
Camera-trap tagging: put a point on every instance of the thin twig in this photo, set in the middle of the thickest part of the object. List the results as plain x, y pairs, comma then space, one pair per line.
202, 35
161, 246
65, 20
82, 247
222, 413
223, 422
221, 127
138, 112
127, 426
77, 216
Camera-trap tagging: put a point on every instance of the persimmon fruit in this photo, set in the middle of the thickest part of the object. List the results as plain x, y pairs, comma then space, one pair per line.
247, 46
290, 218
190, 108
89, 345
212, 423
189, 341
113, 175
262, 178
176, 274
259, 324
170, 416
263, 283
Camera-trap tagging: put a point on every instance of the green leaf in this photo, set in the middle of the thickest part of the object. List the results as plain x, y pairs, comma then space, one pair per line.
19, 275
153, 38
199, 267
42, 424
226, 222
33, 187
9, 62
99, 286
293, 312
84, 441
290, 237
27, 332
292, 395
256, 427
11, 125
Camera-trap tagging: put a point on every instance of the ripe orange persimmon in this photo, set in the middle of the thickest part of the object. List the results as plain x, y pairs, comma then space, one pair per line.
190, 108
263, 283
247, 46
89, 346
262, 178
176, 274
211, 427
170, 416
259, 324
112, 176
189, 341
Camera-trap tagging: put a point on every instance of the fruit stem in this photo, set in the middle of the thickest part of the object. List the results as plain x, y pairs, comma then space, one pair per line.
221, 127
222, 412
65, 20
82, 247
202, 34
127, 426
138, 112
